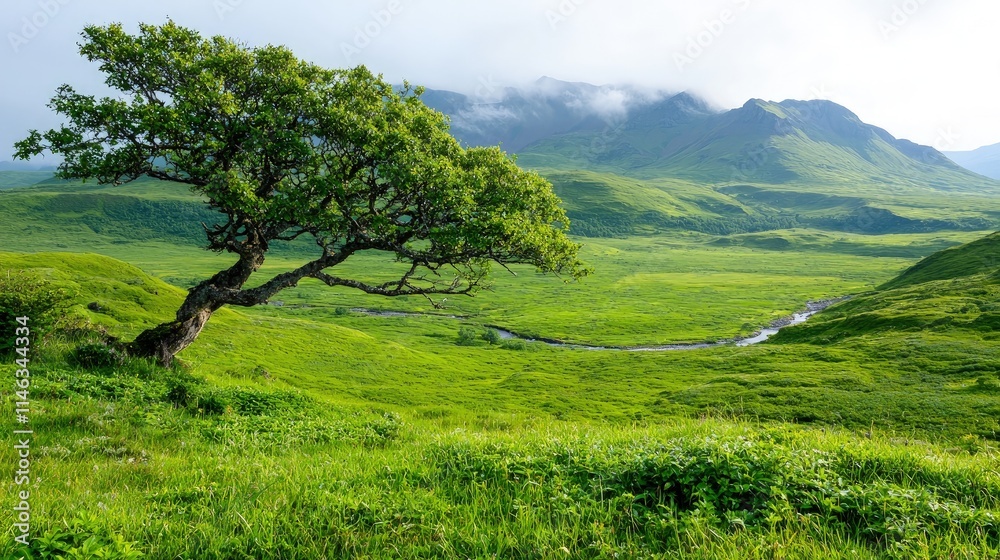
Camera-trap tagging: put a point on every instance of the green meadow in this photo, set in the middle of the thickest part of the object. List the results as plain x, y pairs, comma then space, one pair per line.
308, 429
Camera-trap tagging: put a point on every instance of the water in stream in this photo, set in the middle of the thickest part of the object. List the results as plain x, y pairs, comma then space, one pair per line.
812, 308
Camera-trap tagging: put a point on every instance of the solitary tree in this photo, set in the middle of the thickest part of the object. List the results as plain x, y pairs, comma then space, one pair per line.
285, 149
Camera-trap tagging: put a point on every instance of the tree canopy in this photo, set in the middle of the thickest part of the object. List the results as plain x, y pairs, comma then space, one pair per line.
286, 149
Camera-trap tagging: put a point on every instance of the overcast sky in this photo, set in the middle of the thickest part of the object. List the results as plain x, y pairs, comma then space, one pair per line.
926, 70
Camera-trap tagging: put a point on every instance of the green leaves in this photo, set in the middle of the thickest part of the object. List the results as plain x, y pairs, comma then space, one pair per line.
24, 294
284, 148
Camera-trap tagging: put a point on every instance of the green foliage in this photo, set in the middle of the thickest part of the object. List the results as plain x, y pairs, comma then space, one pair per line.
985, 383
84, 537
24, 294
660, 489
350, 162
180, 392
515, 344
492, 336
95, 355
439, 205
468, 336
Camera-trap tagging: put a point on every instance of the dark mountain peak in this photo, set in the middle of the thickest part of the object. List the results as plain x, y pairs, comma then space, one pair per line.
685, 101
765, 117
558, 89
818, 109
671, 111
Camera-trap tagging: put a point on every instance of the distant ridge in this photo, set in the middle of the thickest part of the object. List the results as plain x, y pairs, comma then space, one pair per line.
985, 160
620, 129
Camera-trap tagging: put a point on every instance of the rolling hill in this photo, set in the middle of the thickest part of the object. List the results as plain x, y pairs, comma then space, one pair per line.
954, 293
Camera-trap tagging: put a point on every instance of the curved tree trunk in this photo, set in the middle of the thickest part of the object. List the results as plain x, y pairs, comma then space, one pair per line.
164, 341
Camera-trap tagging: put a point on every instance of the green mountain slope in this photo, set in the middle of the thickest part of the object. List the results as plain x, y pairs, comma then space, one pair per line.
979, 257
791, 142
814, 161
603, 204
9, 179
142, 210
953, 293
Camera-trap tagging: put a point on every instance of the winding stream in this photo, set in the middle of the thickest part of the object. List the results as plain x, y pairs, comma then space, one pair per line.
812, 308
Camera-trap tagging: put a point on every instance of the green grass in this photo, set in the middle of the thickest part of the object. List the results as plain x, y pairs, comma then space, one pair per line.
307, 431
13, 179
979, 256
122, 464
921, 378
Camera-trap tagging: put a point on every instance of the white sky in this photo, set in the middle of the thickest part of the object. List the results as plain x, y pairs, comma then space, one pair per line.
926, 70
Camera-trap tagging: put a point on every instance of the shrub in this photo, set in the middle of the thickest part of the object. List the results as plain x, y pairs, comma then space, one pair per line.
986, 383
492, 336
95, 355
83, 537
180, 393
25, 294
515, 344
213, 402
467, 336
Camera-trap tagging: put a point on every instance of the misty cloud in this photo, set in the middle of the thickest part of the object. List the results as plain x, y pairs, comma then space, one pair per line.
927, 73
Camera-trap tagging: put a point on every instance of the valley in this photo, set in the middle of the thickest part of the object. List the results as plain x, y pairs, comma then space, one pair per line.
306, 428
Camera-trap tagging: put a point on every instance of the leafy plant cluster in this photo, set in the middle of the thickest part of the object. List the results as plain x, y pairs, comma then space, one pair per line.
24, 294
476, 336
83, 537
660, 491
236, 415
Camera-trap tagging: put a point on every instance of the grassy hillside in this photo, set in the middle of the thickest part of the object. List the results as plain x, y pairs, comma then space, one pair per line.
301, 435
11, 179
953, 292
646, 290
61, 213
306, 430
418, 364
978, 257
609, 205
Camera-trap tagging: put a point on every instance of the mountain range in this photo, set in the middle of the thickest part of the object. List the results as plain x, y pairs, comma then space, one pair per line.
626, 160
